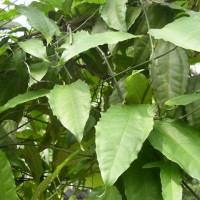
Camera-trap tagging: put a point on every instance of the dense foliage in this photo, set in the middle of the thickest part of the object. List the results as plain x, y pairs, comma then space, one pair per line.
97, 99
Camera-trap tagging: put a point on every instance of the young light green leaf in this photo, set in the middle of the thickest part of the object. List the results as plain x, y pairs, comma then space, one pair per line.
39, 21
22, 98
7, 184
179, 143
177, 32
120, 134
171, 182
35, 47
71, 105
44, 184
114, 14
83, 41
183, 99
169, 73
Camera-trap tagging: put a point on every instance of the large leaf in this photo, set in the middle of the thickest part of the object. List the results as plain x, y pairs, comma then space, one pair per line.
179, 143
177, 32
83, 41
183, 99
169, 73
39, 21
171, 182
141, 183
22, 98
120, 134
71, 105
35, 47
7, 184
114, 14
193, 109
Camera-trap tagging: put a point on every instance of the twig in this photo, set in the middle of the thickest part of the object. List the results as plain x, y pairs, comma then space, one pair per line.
112, 74
190, 190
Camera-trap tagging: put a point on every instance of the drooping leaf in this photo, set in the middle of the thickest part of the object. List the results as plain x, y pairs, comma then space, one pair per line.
7, 184
83, 41
177, 32
179, 143
193, 109
35, 47
138, 93
141, 183
183, 99
44, 184
71, 105
22, 98
169, 73
114, 14
171, 182
121, 131
39, 21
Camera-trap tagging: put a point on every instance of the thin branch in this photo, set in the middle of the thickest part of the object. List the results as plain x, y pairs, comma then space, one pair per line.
189, 113
112, 74
190, 190
35, 119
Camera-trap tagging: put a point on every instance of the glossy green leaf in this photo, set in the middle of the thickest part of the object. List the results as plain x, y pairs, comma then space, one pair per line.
22, 98
193, 109
177, 32
83, 41
183, 99
171, 182
138, 89
169, 73
39, 21
141, 183
35, 47
179, 143
44, 184
7, 184
121, 131
71, 105
114, 14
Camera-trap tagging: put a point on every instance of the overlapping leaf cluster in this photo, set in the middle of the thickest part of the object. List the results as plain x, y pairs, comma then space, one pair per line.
98, 96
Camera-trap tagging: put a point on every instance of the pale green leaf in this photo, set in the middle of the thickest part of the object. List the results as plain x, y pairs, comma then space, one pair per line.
177, 32
179, 143
71, 105
169, 73
7, 184
96, 1
39, 21
183, 99
22, 98
114, 14
171, 182
44, 184
35, 47
121, 131
83, 41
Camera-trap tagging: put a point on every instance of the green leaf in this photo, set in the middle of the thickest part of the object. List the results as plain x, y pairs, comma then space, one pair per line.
83, 41
193, 109
44, 184
171, 182
39, 21
114, 14
7, 184
141, 183
131, 15
35, 47
96, 1
177, 32
22, 98
71, 105
169, 73
179, 143
120, 134
138, 93
183, 99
